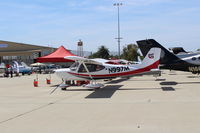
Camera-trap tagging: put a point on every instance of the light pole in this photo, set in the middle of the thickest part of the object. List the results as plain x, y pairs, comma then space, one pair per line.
118, 38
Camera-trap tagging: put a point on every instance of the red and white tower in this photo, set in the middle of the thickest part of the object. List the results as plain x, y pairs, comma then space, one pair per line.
80, 48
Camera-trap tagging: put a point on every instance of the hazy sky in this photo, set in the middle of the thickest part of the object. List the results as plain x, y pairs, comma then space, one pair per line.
64, 22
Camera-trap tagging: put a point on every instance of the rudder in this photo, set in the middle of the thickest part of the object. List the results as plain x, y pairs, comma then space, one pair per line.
152, 57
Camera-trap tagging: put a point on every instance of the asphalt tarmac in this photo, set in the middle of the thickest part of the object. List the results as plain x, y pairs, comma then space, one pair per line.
144, 104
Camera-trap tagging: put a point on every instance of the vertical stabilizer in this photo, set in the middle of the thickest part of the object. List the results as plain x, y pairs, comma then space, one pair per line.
152, 58
166, 56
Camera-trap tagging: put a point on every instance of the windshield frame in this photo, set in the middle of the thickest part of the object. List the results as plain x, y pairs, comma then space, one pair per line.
74, 66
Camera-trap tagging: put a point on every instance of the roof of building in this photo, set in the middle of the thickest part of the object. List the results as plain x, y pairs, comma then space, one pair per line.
8, 48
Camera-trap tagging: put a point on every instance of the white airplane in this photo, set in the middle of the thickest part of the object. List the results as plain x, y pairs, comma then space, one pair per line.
94, 69
21, 67
2, 67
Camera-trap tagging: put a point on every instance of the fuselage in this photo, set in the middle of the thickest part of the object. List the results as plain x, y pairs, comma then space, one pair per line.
97, 71
90, 69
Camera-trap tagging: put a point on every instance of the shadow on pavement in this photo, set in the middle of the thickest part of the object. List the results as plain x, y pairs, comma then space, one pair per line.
105, 92
160, 79
114, 81
175, 83
168, 83
167, 88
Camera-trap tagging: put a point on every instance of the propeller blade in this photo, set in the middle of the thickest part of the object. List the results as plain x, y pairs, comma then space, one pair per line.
55, 88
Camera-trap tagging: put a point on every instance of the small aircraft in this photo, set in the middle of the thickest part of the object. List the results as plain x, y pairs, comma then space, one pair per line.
21, 67
183, 62
2, 67
94, 69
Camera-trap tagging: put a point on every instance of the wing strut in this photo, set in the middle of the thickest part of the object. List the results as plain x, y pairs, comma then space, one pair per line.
87, 70
93, 85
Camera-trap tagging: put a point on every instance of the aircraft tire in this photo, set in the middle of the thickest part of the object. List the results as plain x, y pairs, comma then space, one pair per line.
64, 89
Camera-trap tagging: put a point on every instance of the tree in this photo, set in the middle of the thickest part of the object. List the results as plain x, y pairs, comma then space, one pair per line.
198, 49
130, 52
102, 52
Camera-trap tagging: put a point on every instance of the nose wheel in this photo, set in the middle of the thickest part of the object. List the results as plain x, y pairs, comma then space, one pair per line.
94, 86
63, 86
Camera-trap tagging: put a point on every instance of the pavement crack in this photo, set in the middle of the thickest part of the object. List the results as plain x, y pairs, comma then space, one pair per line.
22, 114
41, 107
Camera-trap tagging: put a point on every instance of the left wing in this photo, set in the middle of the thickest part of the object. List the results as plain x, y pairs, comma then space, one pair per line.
76, 58
83, 59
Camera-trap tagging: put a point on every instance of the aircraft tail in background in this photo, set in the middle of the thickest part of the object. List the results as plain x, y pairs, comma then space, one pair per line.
166, 56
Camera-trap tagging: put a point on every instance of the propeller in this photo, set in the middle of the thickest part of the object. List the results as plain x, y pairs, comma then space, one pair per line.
56, 87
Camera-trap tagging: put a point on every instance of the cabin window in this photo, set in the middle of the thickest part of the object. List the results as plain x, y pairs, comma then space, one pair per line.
74, 66
194, 58
199, 58
91, 68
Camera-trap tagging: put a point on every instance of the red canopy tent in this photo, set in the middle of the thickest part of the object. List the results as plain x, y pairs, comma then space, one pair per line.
57, 56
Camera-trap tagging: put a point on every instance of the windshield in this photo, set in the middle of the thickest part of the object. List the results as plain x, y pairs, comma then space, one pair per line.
74, 66
90, 67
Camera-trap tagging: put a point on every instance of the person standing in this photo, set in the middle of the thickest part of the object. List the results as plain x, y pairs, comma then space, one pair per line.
11, 71
7, 70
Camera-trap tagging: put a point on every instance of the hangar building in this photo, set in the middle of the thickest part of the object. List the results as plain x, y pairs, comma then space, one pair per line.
27, 53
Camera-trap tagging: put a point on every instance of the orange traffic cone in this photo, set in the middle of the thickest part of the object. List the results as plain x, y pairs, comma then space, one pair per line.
48, 81
35, 83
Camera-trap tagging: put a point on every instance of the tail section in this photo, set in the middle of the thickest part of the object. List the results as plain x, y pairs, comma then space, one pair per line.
166, 56
24, 64
151, 59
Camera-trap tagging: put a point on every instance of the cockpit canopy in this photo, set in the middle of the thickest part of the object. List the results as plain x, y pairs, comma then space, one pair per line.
79, 67
90, 67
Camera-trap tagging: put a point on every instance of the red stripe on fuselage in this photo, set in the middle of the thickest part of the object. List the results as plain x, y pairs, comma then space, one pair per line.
145, 69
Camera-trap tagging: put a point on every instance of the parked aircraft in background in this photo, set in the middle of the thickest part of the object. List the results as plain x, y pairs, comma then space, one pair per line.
2, 68
183, 62
22, 68
178, 50
94, 69
181, 53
